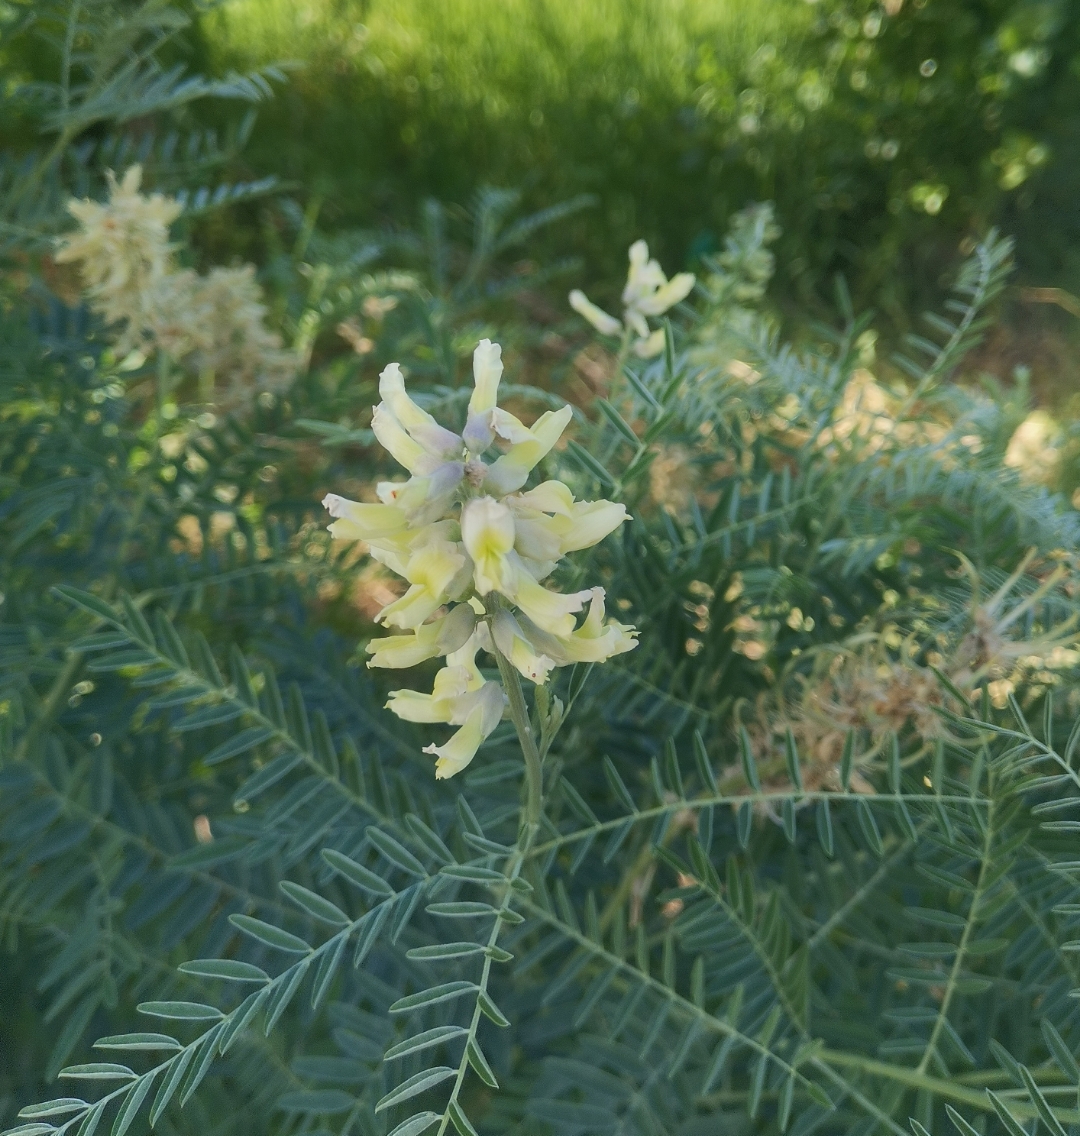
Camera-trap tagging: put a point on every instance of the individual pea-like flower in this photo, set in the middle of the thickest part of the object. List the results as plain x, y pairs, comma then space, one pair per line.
475, 547
648, 292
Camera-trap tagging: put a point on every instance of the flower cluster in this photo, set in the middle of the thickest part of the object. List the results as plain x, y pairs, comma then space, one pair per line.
213, 324
474, 546
124, 253
648, 292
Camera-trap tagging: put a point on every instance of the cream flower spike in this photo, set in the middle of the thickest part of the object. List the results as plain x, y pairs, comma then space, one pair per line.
123, 251
212, 325
474, 547
648, 292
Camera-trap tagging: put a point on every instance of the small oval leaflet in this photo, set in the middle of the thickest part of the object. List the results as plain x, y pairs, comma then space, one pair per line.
232, 970
181, 1011
418, 1083
315, 905
430, 997
396, 853
97, 1071
270, 935
461, 909
52, 1108
138, 1041
421, 1122
356, 873
424, 1040
472, 874
438, 951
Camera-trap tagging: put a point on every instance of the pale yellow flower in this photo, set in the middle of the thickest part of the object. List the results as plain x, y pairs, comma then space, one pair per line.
487, 371
648, 292
487, 531
434, 573
358, 521
442, 636
483, 716
475, 546
516, 646
424, 444
1034, 450
460, 697
593, 642
528, 447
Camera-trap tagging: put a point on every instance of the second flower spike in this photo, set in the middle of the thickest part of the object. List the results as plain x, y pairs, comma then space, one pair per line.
648, 292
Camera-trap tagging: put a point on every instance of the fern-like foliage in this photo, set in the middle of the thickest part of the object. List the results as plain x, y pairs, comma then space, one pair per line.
806, 857
96, 67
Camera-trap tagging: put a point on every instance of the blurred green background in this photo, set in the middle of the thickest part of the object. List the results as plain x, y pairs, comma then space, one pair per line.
890, 134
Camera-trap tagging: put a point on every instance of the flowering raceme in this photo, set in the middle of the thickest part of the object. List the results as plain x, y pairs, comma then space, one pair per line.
123, 252
475, 547
213, 324
648, 292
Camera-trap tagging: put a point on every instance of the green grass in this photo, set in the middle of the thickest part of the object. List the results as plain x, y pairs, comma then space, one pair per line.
674, 114
401, 99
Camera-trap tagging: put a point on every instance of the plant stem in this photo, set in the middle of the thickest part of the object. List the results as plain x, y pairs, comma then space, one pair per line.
951, 1089
162, 388
530, 826
519, 714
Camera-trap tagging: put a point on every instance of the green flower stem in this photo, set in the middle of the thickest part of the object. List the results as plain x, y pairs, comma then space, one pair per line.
530, 826
162, 388
519, 714
511, 871
624, 351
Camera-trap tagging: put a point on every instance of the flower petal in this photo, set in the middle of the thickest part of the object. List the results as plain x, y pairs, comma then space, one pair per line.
485, 715
605, 324
440, 637
651, 345
415, 706
593, 642
509, 427
432, 569
487, 371
644, 277
590, 522
416, 421
487, 531
399, 651
357, 520
512, 470
538, 537
551, 611
393, 438
547, 497
667, 295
